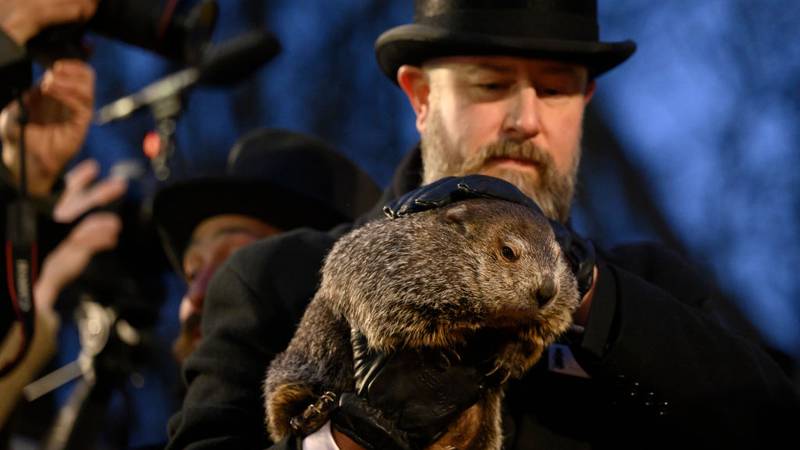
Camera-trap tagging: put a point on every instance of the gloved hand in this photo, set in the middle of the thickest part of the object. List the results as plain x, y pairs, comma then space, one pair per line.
579, 251
406, 400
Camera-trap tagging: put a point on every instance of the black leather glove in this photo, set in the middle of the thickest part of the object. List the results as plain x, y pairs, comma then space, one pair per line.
406, 400
579, 251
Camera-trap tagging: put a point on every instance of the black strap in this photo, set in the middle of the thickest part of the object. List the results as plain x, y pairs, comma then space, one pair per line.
21, 254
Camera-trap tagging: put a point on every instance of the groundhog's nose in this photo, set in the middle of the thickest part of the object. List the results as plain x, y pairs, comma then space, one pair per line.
546, 292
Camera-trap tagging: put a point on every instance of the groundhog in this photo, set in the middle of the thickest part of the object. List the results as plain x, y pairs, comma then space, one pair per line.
481, 267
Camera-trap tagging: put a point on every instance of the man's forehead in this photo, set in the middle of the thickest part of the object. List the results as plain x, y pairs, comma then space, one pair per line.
225, 224
469, 65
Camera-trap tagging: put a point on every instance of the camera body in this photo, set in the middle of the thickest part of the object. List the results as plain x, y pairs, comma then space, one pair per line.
178, 30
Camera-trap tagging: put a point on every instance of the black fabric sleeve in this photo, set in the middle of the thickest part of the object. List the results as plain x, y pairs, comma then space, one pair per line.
667, 361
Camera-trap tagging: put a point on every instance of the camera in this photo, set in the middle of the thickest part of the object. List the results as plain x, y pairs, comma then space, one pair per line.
178, 30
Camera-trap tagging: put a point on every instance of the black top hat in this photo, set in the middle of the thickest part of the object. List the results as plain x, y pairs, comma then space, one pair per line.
564, 30
286, 179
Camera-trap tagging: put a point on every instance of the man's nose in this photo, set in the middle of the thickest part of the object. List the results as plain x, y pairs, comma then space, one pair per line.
192, 301
522, 121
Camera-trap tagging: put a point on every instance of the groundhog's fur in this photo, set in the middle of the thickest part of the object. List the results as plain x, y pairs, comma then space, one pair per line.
430, 279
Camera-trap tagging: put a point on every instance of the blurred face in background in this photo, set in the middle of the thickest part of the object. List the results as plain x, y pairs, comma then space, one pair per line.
514, 118
213, 241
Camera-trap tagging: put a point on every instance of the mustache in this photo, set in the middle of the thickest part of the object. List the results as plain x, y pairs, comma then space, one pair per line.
523, 151
550, 190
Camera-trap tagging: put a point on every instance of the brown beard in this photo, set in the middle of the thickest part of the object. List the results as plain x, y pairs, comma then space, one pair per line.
187, 339
551, 190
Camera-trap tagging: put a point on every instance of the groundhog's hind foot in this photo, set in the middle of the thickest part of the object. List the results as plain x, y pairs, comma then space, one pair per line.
286, 403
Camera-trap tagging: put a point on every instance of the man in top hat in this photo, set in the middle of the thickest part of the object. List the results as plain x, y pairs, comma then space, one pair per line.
275, 181
499, 89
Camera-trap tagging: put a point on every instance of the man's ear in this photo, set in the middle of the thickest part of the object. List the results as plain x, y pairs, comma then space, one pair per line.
416, 85
591, 86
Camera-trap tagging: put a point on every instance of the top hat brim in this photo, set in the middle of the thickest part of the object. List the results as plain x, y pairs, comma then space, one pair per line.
414, 44
180, 207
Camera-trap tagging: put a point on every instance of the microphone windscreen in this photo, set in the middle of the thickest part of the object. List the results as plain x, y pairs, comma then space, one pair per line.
237, 58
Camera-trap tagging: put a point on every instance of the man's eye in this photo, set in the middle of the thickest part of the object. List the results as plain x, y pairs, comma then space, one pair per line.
493, 86
550, 91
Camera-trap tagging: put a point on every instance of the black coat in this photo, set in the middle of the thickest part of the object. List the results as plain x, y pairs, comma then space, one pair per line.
664, 371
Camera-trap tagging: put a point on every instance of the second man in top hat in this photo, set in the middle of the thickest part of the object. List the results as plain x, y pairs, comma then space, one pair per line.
275, 181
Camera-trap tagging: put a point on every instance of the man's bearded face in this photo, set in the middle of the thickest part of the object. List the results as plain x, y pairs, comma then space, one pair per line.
533, 172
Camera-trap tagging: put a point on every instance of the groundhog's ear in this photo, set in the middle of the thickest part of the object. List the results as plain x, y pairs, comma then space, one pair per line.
458, 215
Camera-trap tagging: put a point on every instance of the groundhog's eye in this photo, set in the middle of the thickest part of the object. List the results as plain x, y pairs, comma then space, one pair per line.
508, 253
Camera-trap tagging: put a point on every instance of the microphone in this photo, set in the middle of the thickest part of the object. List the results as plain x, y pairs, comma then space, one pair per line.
225, 64
236, 59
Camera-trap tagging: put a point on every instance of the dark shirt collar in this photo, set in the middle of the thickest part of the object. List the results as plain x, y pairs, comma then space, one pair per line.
408, 176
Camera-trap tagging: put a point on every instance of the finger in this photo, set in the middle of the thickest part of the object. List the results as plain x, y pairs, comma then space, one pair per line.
66, 11
67, 207
88, 8
74, 68
107, 191
97, 232
9, 127
74, 71
81, 175
100, 195
76, 95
